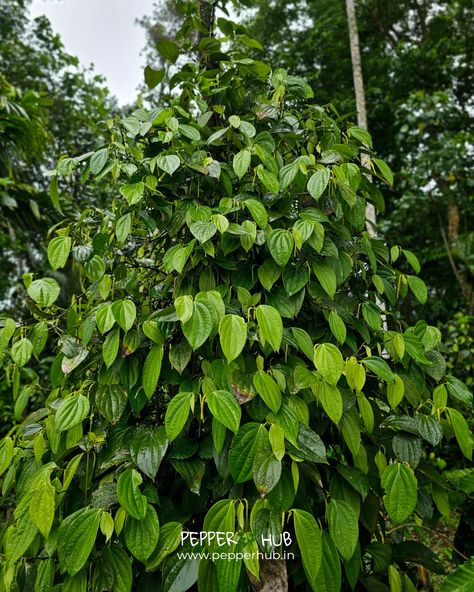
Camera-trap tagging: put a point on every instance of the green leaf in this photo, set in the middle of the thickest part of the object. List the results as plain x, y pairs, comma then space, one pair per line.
168, 163
360, 134
241, 162
54, 193
462, 432
331, 400
122, 569
379, 367
123, 227
220, 518
45, 576
384, 170
329, 362
148, 449
257, 211
401, 491
280, 244
153, 77
125, 313
242, 452
19, 537
95, 268
225, 408
6, 453
58, 251
98, 160
198, 328
141, 536
266, 469
177, 414
168, 50
104, 318
189, 132
418, 287
268, 389
329, 575
76, 538
294, 279
44, 291
133, 192
21, 351
459, 390
318, 182
308, 536
152, 369
129, 496
268, 273
395, 391
287, 174
461, 579
276, 436
326, 277
232, 336
337, 326
203, 231
270, 325
71, 412
169, 541
343, 527
110, 347
111, 400
42, 510
268, 179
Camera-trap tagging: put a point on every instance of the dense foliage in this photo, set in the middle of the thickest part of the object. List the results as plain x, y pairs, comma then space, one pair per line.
226, 363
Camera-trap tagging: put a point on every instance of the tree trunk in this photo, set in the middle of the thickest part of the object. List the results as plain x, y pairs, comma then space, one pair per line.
370, 216
273, 576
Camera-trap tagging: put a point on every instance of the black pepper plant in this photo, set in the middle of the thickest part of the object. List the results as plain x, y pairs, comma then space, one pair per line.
233, 361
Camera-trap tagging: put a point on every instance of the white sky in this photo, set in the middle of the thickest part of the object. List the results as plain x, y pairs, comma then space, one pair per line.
102, 32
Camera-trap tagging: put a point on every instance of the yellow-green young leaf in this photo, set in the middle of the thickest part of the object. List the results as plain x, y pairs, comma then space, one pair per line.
268, 273
42, 506
395, 391
326, 277
129, 496
71, 470
440, 396
198, 328
461, 579
125, 313
232, 335
152, 369
441, 499
338, 328
58, 251
394, 579
308, 536
21, 351
384, 170
401, 491
54, 193
462, 432
280, 243
241, 162
331, 400
224, 407
355, 374
110, 347
366, 412
399, 345
6, 453
76, 538
318, 182
122, 569
168, 163
343, 527
169, 540
104, 318
220, 518
184, 307
270, 325
123, 227
329, 362
106, 525
141, 536
95, 268
276, 435
177, 414
133, 192
71, 412
268, 389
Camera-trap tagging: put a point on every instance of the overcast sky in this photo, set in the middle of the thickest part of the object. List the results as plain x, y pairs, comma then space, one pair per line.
102, 32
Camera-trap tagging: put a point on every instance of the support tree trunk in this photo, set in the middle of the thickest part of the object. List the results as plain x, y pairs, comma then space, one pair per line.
370, 216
